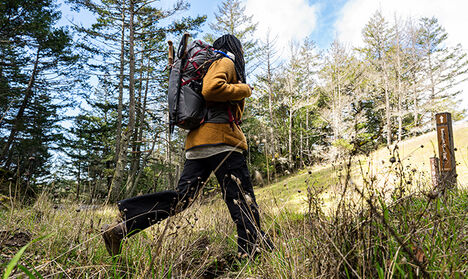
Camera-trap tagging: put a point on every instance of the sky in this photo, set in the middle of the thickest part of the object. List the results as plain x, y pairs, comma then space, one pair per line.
326, 20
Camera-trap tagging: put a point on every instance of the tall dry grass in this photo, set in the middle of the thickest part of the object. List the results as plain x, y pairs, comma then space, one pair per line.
351, 228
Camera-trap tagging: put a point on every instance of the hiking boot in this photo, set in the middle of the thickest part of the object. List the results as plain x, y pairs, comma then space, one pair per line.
113, 235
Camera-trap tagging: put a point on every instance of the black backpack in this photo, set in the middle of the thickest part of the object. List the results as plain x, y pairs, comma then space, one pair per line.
187, 107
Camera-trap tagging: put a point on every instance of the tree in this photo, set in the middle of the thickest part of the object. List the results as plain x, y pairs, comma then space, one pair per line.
35, 59
89, 145
377, 37
231, 19
264, 85
397, 56
297, 90
141, 42
444, 67
413, 71
341, 76
309, 61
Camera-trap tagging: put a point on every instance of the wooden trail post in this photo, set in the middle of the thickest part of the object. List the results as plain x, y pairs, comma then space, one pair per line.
448, 175
435, 171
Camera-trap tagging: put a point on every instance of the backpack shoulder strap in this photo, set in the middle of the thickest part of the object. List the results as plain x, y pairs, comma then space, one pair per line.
228, 55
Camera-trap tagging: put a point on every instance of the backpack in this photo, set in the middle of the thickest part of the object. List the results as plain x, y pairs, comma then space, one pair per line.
187, 107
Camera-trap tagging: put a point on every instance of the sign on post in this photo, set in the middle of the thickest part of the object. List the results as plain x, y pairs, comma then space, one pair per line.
447, 163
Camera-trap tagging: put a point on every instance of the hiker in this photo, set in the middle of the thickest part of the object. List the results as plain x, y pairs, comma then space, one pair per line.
211, 147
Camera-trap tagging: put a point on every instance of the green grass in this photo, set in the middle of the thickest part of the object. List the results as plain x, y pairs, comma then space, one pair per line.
291, 192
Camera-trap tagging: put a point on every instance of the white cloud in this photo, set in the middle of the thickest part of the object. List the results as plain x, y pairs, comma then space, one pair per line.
288, 20
450, 13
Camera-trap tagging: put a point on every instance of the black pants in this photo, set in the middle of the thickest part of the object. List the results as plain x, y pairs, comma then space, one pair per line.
143, 211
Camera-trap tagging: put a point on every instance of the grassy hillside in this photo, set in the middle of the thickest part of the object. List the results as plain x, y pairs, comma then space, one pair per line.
415, 153
291, 192
321, 227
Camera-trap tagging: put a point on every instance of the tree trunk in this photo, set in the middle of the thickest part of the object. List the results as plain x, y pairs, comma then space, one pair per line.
136, 143
170, 177
121, 86
301, 151
334, 117
400, 104
267, 163
91, 186
338, 110
387, 116
290, 156
400, 119
335, 152
416, 109
307, 138
141, 120
400, 113
116, 186
387, 109
19, 116
131, 86
398, 77
270, 106
78, 181
432, 98
414, 77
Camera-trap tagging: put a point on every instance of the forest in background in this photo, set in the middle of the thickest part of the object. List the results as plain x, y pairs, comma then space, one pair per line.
308, 107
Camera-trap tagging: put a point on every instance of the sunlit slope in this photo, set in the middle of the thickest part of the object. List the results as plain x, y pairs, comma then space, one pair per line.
291, 192
415, 153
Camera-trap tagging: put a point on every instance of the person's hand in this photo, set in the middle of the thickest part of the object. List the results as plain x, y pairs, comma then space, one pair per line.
250, 86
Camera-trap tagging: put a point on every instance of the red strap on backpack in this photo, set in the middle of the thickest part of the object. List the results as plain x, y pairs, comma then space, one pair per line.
232, 119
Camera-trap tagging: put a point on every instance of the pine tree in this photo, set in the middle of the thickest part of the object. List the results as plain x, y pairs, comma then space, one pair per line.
134, 27
89, 144
264, 86
309, 62
297, 89
341, 77
444, 67
415, 78
232, 19
36, 59
377, 37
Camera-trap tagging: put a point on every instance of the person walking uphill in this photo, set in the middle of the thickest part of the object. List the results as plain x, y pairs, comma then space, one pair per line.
211, 147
